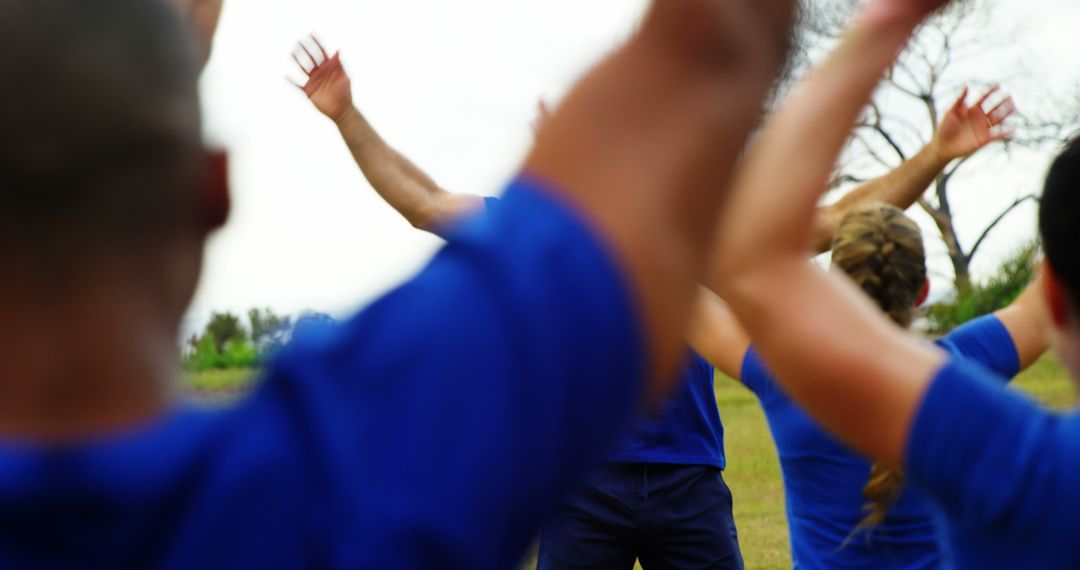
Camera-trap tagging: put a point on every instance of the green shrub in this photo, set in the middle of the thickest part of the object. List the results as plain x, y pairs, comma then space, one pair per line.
206, 356
1010, 280
240, 354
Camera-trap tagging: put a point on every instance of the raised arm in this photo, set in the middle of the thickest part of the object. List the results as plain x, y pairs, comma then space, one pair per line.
394, 177
717, 335
834, 352
963, 131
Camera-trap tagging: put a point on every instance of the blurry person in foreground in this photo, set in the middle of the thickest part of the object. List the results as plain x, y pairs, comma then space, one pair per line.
370, 445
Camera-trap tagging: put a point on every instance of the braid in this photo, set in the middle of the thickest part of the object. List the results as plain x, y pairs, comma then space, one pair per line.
881, 491
881, 249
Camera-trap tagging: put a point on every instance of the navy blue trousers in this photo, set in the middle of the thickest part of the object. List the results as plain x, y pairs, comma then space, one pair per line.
666, 516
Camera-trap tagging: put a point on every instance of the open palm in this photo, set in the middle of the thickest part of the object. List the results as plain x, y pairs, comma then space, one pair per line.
327, 84
964, 130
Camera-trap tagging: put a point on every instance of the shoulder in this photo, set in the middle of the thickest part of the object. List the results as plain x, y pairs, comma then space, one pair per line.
990, 456
987, 342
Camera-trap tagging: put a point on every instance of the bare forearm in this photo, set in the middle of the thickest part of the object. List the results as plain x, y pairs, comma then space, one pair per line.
716, 335
1028, 321
901, 187
409, 190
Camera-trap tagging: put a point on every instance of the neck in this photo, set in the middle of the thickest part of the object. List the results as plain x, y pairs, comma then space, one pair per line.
84, 362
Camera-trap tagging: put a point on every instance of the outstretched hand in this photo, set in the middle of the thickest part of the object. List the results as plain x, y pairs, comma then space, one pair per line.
327, 84
964, 130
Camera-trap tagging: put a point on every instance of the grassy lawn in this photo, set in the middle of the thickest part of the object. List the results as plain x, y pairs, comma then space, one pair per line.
753, 470
218, 385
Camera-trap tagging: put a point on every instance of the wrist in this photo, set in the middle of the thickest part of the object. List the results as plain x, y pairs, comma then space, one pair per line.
350, 114
938, 154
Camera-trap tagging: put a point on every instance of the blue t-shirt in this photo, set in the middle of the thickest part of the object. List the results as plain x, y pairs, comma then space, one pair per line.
1005, 472
688, 432
823, 479
437, 429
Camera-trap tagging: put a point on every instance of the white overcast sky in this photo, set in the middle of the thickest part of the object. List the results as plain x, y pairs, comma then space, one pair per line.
453, 85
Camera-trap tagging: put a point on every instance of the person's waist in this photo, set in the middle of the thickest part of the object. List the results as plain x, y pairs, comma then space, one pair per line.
714, 457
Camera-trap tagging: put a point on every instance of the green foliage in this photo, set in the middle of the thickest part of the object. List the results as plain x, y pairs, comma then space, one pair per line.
225, 328
268, 330
240, 354
205, 354
1012, 277
226, 344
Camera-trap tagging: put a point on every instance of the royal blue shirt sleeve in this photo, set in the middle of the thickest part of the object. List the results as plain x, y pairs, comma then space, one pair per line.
756, 376
446, 421
985, 340
1005, 472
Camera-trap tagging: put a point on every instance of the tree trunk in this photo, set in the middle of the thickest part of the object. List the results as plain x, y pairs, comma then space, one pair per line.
943, 219
961, 264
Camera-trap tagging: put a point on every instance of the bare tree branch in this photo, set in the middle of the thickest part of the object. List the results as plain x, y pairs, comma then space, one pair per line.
950, 172
870, 150
928, 72
986, 232
842, 179
876, 127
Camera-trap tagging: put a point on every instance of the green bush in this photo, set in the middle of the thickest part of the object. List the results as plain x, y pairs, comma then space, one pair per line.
206, 356
226, 344
1010, 280
240, 354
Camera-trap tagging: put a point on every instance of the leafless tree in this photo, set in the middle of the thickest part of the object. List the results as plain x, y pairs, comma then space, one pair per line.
922, 83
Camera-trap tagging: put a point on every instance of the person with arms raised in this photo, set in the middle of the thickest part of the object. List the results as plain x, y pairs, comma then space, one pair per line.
1000, 470
369, 446
668, 461
831, 524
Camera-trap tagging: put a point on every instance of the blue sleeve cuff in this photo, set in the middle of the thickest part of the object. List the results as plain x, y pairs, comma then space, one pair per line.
755, 375
987, 342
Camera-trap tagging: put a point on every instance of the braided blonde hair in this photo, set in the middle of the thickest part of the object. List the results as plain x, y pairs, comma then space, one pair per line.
881, 249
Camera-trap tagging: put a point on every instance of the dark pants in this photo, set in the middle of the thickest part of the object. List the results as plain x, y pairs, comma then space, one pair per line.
666, 516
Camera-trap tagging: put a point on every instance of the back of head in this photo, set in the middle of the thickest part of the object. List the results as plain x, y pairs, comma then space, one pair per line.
101, 143
1059, 215
881, 249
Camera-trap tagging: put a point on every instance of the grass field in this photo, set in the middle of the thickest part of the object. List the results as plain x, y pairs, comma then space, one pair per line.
753, 471
218, 385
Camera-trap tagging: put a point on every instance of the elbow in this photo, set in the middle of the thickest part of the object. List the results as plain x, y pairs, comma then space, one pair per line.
752, 288
425, 215
735, 263
825, 227
419, 222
